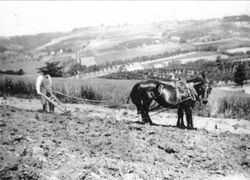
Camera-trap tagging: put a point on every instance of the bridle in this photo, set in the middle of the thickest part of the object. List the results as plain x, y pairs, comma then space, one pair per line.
206, 89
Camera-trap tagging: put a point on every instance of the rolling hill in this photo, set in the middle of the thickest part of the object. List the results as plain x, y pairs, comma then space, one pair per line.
106, 44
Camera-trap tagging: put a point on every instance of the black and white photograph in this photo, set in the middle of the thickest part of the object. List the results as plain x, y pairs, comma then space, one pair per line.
124, 90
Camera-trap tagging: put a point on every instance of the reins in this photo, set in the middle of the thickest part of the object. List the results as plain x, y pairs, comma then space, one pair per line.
82, 99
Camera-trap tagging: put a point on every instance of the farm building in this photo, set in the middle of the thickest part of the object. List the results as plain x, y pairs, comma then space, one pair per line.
238, 50
133, 67
158, 66
175, 38
88, 61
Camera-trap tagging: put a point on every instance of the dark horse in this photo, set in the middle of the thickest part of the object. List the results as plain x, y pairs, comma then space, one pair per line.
170, 96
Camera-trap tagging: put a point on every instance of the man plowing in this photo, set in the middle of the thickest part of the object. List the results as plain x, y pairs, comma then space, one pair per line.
44, 88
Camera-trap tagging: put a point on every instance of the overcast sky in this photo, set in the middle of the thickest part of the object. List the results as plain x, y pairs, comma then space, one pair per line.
27, 17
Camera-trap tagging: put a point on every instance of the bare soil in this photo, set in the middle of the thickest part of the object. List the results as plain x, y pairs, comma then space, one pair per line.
101, 143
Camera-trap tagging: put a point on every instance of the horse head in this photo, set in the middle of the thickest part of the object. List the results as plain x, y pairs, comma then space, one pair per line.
203, 87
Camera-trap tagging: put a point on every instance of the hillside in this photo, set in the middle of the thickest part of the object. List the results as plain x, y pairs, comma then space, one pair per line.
106, 45
124, 36
28, 42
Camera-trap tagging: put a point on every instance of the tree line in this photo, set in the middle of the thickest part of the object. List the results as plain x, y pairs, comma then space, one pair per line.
218, 71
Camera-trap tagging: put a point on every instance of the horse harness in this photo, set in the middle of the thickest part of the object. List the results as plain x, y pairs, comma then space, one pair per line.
185, 91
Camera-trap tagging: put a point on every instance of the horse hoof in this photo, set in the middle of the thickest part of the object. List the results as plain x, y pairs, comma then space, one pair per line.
191, 128
181, 126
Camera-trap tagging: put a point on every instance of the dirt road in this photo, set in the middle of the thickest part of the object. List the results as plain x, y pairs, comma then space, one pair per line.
101, 143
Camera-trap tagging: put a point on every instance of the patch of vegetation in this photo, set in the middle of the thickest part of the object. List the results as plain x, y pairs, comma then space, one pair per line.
28, 42
202, 110
76, 68
221, 71
16, 87
237, 18
71, 44
20, 72
2, 49
235, 107
110, 92
53, 69
240, 75
135, 43
87, 92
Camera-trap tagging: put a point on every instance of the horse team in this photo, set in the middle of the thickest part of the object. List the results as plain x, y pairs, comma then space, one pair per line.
181, 96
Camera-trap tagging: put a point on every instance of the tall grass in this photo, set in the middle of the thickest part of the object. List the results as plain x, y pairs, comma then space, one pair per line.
229, 104
235, 107
17, 86
114, 93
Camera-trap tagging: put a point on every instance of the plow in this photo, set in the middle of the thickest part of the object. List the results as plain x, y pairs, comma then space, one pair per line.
57, 103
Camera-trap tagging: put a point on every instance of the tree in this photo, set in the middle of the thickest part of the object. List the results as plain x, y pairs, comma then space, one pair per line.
2, 48
240, 75
182, 40
219, 63
74, 69
53, 69
20, 72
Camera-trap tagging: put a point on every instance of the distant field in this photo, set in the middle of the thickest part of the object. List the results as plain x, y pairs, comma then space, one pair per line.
237, 89
213, 42
124, 54
184, 58
224, 43
241, 49
29, 67
92, 32
210, 56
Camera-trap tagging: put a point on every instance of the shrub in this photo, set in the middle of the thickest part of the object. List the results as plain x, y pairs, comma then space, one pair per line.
235, 107
74, 69
19, 88
202, 110
19, 72
240, 75
89, 93
53, 69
